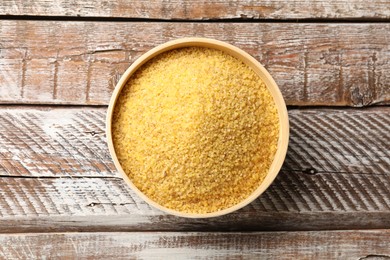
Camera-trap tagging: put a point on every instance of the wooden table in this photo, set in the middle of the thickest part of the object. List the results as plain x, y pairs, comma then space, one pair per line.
60, 195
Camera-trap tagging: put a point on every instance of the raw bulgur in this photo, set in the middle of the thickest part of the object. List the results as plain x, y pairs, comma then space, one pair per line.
196, 130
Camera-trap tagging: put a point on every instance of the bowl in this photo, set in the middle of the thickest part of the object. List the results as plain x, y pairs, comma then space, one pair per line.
257, 68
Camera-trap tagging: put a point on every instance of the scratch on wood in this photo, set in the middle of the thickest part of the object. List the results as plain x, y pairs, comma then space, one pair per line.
106, 50
16, 251
30, 253
92, 204
88, 88
75, 247
55, 79
114, 78
340, 88
372, 81
23, 81
305, 61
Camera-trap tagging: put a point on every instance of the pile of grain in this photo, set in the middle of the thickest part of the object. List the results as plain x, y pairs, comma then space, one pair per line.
195, 130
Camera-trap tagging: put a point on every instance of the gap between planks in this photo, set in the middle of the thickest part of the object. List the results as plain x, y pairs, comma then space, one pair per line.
362, 20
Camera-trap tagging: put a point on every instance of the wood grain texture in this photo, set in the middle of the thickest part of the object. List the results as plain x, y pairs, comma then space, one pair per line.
54, 143
56, 175
272, 245
201, 10
56, 62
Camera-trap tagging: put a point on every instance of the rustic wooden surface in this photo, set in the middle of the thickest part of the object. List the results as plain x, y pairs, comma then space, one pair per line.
56, 62
59, 62
203, 9
57, 175
359, 245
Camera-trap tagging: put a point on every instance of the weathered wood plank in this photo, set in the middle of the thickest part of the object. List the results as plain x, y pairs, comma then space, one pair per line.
54, 143
102, 204
202, 10
62, 142
56, 174
55, 62
368, 244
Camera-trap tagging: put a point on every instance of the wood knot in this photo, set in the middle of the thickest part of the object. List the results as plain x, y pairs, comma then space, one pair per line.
310, 171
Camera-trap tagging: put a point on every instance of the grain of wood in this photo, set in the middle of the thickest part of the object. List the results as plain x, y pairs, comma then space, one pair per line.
56, 174
57, 62
359, 244
61, 142
107, 204
58, 143
202, 10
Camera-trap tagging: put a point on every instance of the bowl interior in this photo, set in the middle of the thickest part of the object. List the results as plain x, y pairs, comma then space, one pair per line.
257, 68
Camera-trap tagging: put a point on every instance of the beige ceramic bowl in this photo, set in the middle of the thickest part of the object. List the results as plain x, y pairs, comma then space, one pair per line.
261, 72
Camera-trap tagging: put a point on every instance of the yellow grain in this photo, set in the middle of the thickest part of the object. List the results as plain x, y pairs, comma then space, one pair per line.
196, 130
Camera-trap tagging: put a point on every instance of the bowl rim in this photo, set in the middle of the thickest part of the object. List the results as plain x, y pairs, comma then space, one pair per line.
259, 70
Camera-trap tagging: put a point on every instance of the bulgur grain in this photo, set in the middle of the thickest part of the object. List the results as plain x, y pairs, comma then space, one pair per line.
196, 130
